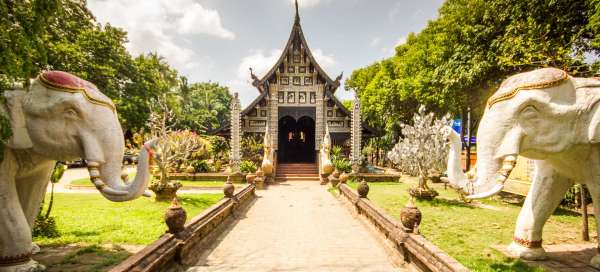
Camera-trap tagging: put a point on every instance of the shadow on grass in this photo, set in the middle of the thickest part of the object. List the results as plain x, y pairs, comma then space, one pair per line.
513, 265
80, 233
90, 258
444, 202
195, 201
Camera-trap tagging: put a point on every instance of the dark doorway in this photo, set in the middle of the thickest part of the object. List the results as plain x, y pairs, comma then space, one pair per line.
296, 140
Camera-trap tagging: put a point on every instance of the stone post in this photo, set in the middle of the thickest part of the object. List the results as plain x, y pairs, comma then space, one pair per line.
235, 157
355, 151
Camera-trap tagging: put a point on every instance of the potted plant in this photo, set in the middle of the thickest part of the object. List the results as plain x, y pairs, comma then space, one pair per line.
422, 151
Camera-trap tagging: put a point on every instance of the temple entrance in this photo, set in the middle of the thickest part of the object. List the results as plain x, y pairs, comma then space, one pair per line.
296, 140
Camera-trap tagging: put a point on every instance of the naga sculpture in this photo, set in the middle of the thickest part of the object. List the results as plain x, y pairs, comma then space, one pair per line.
59, 117
267, 163
550, 117
326, 166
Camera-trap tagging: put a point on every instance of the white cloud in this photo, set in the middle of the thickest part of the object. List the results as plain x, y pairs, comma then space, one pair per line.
259, 62
153, 25
327, 62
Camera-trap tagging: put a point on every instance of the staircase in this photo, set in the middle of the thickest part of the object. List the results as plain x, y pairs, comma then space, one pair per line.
297, 171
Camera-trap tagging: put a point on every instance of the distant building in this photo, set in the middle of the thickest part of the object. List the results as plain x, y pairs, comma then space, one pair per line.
296, 100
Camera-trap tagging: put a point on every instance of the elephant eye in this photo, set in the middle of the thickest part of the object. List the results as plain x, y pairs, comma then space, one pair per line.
529, 112
72, 113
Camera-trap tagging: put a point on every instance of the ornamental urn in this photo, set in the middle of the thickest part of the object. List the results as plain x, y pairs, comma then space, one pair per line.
410, 216
175, 217
336, 173
250, 178
228, 189
344, 177
363, 189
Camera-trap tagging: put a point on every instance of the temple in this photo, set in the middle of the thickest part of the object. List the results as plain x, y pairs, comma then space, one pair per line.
296, 100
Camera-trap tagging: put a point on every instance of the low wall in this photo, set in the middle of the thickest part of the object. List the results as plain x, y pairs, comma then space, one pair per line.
416, 251
205, 176
170, 253
374, 177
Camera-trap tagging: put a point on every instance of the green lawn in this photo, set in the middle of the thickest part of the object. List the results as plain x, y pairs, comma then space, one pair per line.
91, 219
188, 183
467, 232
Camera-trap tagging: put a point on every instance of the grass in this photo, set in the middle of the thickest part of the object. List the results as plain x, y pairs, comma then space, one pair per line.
91, 219
466, 232
187, 183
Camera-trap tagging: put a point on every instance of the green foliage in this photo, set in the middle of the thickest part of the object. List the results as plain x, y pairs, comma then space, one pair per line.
219, 148
247, 166
252, 147
64, 35
461, 57
201, 166
343, 165
45, 227
5, 134
573, 198
205, 106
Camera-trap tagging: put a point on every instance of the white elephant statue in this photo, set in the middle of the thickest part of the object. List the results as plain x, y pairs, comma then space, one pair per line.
550, 117
59, 117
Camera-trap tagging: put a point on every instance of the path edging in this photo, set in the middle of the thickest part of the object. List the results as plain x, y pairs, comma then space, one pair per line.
415, 250
170, 253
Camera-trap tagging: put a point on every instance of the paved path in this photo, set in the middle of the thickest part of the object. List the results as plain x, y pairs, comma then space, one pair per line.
296, 226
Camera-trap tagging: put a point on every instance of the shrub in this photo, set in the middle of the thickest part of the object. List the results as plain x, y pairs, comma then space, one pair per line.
343, 165
201, 166
252, 148
247, 167
45, 227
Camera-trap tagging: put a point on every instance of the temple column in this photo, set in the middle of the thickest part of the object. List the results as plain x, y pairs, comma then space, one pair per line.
355, 151
235, 157
320, 116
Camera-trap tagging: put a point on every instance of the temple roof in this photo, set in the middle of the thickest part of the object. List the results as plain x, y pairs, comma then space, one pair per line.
296, 38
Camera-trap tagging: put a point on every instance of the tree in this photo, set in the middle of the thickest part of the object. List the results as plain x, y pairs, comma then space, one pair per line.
461, 57
173, 147
423, 151
205, 107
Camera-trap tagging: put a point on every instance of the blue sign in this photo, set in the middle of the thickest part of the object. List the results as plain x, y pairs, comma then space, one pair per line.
457, 125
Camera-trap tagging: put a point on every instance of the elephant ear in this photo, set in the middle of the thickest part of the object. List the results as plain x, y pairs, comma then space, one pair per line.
20, 136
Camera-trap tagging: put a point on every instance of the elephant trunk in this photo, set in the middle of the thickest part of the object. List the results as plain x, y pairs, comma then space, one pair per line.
107, 176
492, 173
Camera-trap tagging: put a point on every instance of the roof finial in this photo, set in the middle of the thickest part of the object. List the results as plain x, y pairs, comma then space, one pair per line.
297, 13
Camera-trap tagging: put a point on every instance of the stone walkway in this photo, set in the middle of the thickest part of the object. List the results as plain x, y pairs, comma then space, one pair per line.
564, 257
296, 226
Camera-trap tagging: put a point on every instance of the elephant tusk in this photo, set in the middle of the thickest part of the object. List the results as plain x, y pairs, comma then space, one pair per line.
497, 188
147, 193
508, 164
99, 184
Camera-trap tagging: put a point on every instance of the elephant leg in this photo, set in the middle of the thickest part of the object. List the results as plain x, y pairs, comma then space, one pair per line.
15, 233
547, 190
32, 190
594, 188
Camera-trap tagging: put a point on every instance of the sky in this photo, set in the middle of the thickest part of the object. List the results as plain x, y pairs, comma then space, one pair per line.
218, 40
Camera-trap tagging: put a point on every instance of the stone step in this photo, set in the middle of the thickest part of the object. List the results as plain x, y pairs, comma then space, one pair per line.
296, 178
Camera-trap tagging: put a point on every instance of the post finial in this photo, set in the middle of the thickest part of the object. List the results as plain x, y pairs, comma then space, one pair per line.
297, 13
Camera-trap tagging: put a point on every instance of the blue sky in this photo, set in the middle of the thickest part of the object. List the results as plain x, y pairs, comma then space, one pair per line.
218, 40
